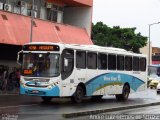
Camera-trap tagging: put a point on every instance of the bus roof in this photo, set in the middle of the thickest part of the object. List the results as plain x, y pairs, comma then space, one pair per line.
90, 47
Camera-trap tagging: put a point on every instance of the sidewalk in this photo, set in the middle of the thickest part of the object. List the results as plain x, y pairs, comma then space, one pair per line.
15, 92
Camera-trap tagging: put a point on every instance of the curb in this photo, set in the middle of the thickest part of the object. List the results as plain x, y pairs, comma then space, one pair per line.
84, 113
10, 94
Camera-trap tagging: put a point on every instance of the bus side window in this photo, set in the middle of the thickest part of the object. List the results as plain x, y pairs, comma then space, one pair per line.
81, 59
128, 63
67, 63
143, 64
91, 60
135, 63
120, 62
111, 62
102, 61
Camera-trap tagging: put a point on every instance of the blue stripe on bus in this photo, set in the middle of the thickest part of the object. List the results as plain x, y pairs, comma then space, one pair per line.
55, 91
112, 78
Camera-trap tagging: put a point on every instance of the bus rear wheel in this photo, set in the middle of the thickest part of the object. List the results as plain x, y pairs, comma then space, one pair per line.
78, 95
124, 95
46, 99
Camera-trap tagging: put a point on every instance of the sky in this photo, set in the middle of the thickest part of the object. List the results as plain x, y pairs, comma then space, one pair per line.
130, 13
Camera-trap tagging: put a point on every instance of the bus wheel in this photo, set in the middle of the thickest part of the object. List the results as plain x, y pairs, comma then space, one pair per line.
46, 99
124, 95
78, 95
97, 98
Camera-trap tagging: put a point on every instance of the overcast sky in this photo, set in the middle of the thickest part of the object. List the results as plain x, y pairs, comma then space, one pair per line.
130, 13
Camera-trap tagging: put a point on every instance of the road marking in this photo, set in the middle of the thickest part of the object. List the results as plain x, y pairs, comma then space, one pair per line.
17, 106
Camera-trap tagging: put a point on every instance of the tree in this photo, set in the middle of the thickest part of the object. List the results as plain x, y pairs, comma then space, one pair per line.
125, 38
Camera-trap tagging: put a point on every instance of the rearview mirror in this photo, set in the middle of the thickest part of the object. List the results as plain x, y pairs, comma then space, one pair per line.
20, 57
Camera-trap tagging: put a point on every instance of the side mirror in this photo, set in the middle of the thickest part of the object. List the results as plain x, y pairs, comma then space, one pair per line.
20, 57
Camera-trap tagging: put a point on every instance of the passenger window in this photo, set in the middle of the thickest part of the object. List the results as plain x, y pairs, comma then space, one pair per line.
67, 63
128, 63
91, 60
102, 61
135, 63
120, 62
81, 59
111, 62
143, 64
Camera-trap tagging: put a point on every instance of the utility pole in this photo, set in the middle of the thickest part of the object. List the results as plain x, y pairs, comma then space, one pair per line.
32, 20
149, 50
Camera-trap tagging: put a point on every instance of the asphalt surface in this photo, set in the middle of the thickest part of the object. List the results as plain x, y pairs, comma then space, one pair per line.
32, 108
144, 113
144, 110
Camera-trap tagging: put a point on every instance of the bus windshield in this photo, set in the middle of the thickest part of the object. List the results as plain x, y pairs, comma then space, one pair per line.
41, 64
153, 70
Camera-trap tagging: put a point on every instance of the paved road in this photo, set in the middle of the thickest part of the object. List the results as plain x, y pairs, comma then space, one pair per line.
32, 108
144, 110
145, 113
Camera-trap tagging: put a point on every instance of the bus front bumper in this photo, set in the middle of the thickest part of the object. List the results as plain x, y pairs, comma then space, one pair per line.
37, 91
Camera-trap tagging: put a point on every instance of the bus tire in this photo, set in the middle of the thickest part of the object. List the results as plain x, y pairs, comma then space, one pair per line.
46, 99
125, 93
78, 95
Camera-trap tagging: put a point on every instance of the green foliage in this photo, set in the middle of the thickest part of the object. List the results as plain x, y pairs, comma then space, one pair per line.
125, 38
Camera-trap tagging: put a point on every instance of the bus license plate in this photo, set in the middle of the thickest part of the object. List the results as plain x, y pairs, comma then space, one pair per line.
35, 91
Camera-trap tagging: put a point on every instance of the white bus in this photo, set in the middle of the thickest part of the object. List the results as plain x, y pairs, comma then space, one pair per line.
65, 70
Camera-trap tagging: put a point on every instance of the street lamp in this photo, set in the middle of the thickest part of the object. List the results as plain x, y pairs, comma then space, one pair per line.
32, 20
150, 41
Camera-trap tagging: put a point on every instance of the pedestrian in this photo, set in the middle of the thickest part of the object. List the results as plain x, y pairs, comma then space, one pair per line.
1, 78
18, 77
5, 78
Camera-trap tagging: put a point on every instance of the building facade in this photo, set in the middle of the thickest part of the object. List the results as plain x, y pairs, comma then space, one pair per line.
155, 55
155, 51
145, 50
66, 21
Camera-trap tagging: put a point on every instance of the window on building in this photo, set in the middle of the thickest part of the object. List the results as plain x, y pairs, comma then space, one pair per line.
42, 9
135, 63
55, 13
91, 60
102, 61
111, 62
81, 59
143, 64
120, 62
128, 63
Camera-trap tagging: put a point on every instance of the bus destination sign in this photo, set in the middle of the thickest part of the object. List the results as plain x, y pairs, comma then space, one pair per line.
41, 48
28, 72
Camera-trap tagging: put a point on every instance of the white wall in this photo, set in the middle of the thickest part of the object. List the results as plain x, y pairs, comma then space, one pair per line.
79, 16
43, 13
22, 10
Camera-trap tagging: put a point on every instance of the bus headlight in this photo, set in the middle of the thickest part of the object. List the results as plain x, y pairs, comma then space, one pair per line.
50, 86
21, 82
24, 85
